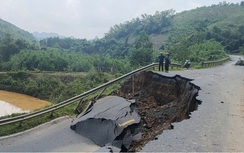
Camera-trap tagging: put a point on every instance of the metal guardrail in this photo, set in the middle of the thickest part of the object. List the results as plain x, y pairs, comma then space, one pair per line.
74, 99
175, 65
212, 63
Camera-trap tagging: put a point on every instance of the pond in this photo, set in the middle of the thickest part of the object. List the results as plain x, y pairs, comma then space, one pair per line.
11, 102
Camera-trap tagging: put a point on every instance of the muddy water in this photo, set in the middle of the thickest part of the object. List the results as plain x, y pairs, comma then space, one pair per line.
11, 102
7, 109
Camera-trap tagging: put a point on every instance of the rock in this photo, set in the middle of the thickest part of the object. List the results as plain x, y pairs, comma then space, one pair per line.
240, 62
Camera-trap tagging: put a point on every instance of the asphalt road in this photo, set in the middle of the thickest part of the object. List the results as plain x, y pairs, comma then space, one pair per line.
55, 136
217, 125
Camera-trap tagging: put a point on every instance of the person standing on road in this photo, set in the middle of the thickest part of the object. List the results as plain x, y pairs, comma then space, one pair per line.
161, 61
167, 63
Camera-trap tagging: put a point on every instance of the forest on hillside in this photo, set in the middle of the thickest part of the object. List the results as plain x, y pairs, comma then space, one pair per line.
202, 34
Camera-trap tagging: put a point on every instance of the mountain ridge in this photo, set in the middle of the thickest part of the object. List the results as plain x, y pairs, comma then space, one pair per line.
16, 32
43, 35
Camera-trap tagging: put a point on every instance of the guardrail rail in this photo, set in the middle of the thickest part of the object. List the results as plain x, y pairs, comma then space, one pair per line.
213, 63
50, 109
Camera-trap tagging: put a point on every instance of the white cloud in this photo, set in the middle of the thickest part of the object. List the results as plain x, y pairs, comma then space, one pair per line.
72, 9
73, 3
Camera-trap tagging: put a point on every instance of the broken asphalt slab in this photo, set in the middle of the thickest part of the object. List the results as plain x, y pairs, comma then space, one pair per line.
107, 120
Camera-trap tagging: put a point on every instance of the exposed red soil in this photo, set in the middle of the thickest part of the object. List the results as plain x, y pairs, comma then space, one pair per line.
161, 100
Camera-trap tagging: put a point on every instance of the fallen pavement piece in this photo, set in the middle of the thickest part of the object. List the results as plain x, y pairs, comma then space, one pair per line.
110, 121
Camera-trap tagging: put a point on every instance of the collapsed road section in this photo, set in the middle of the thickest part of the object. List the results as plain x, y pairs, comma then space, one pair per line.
109, 122
126, 122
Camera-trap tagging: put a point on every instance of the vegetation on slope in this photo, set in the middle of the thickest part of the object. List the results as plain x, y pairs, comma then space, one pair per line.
53, 87
17, 33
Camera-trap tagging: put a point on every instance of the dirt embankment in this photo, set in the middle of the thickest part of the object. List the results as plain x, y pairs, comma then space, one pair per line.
161, 100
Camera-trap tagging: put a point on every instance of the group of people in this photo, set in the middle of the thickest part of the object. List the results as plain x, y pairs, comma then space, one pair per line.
161, 59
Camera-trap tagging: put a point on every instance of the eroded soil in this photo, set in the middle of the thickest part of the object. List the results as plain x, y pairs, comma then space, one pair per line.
161, 100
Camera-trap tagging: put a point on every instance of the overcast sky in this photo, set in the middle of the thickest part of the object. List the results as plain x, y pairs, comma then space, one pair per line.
86, 18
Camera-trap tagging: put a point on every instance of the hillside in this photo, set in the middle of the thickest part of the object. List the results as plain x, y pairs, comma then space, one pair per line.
221, 22
202, 34
44, 35
15, 32
222, 16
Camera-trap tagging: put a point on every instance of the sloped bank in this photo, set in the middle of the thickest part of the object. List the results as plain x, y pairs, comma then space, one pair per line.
159, 101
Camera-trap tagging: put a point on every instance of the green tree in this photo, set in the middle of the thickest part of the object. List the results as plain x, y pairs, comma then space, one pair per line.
1, 61
142, 55
21, 44
208, 51
179, 49
241, 29
8, 47
242, 3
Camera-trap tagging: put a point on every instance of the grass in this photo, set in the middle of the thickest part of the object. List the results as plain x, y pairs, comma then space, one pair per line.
69, 110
